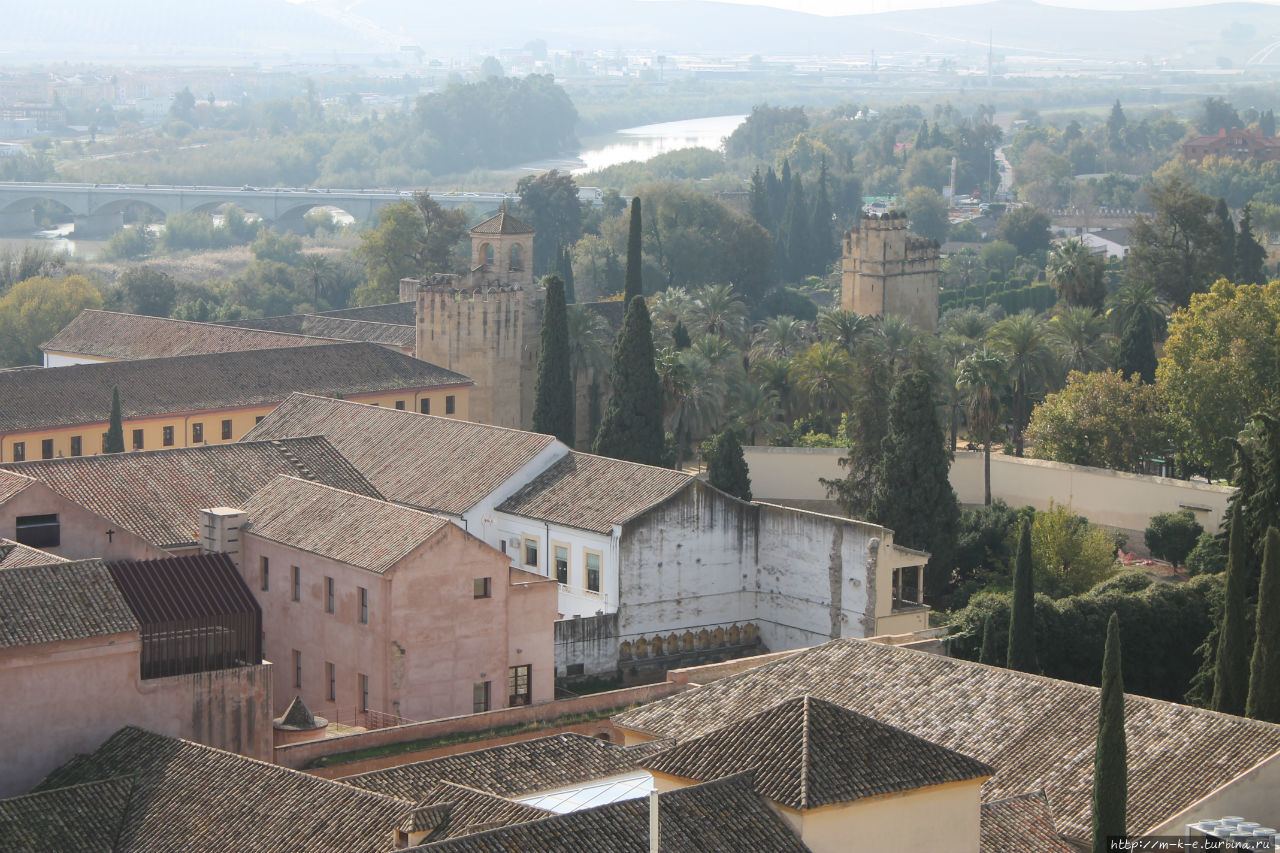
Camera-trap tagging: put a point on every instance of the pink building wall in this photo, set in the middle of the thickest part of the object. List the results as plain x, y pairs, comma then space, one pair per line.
68, 697
83, 533
428, 639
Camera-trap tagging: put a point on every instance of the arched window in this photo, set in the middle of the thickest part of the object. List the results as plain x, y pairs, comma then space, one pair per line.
487, 248
515, 257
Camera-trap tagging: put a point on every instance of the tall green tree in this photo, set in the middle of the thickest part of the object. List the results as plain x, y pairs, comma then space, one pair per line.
1077, 274
726, 465
549, 202
983, 376
632, 424
1226, 240
1231, 666
1177, 249
868, 421
822, 242
913, 494
988, 653
1137, 355
635, 256
1111, 757
564, 269
795, 230
411, 239
113, 442
1021, 653
1249, 253
554, 404
758, 206
1024, 342
1264, 672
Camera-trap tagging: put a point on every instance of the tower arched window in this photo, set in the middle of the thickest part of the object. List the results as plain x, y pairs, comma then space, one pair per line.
515, 257
487, 248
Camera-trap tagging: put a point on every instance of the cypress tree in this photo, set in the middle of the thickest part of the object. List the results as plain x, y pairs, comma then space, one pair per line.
680, 336
1231, 663
1138, 348
114, 441
554, 403
1267, 124
726, 466
1249, 253
988, 653
795, 228
1264, 673
564, 269
759, 202
1226, 240
773, 191
613, 277
823, 247
632, 424
913, 494
1021, 654
1111, 757
634, 284
922, 136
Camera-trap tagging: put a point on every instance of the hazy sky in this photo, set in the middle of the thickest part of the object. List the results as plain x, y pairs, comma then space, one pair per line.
850, 7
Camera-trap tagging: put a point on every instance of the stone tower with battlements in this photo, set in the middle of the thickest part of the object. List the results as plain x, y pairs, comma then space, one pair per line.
486, 324
889, 270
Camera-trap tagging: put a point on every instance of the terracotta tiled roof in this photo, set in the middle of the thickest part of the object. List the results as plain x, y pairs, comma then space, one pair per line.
503, 223
724, 815
512, 769
61, 601
1039, 733
125, 337
395, 313
1021, 823
192, 797
14, 554
84, 818
329, 326
81, 393
157, 494
594, 492
808, 753
11, 484
424, 461
366, 532
452, 810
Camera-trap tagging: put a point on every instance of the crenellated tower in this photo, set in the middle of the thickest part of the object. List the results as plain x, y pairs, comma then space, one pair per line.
889, 270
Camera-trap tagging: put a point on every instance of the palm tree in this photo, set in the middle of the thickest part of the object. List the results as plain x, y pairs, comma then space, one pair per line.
969, 323
1134, 298
1076, 274
824, 375
319, 270
589, 341
756, 412
693, 397
775, 376
983, 376
1024, 343
779, 337
1076, 334
717, 310
671, 306
896, 334
845, 327
952, 350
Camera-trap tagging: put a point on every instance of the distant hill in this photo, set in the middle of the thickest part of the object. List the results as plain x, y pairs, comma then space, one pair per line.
271, 30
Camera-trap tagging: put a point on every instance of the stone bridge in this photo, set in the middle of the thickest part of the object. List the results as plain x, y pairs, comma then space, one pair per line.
98, 209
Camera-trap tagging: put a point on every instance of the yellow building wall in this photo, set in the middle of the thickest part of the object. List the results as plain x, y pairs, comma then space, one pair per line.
941, 817
242, 420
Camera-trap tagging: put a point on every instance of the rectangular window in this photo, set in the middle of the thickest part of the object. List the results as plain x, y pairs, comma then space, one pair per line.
480, 588
266, 573
400, 405
297, 583
331, 672
137, 439
364, 692
77, 449
531, 552
364, 606
518, 678
562, 563
226, 429
46, 448
480, 697
425, 406
167, 437
297, 668
328, 595
197, 433
19, 451
38, 531
449, 404
593, 571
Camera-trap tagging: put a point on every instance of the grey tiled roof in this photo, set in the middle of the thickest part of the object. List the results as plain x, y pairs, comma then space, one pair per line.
61, 601
81, 393
594, 492
331, 326
424, 461
512, 769
502, 223
724, 815
82, 818
11, 484
366, 532
1020, 823
395, 313
1039, 733
808, 753
125, 337
14, 554
157, 494
453, 810
192, 797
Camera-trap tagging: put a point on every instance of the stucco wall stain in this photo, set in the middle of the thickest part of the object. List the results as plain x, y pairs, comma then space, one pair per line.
835, 578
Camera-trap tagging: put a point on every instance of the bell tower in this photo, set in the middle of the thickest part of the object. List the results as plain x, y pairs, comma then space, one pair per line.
502, 252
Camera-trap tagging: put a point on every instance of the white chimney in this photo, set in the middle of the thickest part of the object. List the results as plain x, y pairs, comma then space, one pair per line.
653, 821
220, 531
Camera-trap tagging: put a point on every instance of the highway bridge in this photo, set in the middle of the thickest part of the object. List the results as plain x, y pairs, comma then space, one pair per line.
98, 209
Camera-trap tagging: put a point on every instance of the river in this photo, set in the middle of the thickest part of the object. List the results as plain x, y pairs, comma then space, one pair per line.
621, 146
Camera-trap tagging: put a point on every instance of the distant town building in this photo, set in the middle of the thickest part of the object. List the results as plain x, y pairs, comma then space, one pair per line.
1110, 242
1238, 144
889, 270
